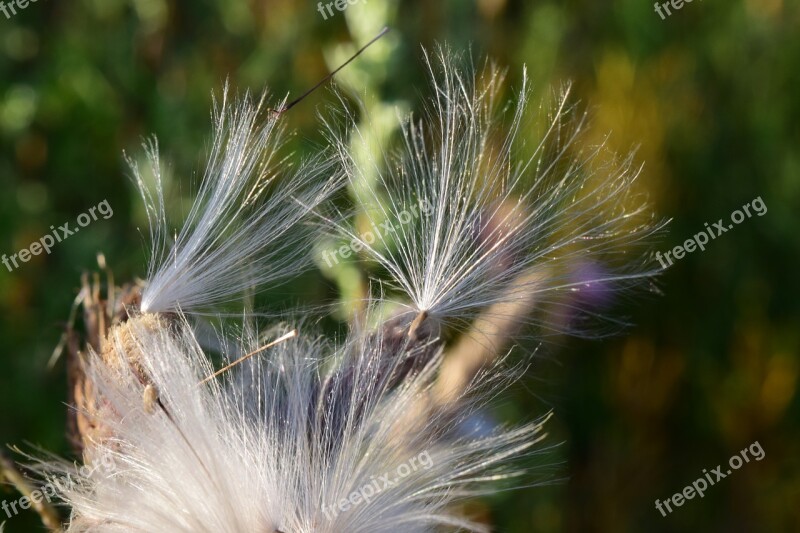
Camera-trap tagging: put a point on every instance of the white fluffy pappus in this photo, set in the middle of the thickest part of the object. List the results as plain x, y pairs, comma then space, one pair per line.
245, 227
563, 222
281, 440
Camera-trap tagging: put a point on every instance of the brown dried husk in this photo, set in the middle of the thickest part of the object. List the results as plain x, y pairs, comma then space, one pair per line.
108, 322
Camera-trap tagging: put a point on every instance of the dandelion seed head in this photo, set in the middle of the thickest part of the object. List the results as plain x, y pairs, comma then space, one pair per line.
278, 441
467, 229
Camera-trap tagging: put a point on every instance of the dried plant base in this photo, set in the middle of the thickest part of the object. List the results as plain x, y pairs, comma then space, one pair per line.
104, 316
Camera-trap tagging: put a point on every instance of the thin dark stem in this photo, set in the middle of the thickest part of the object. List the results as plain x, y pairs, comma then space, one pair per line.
324, 80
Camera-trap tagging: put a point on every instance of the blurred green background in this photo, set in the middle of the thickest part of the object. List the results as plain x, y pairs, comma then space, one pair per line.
710, 96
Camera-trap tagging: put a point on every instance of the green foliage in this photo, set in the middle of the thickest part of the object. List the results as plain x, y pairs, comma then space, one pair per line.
709, 96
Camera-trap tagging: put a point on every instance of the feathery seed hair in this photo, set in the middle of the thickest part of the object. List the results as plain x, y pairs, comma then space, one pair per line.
492, 218
279, 442
245, 227
370, 434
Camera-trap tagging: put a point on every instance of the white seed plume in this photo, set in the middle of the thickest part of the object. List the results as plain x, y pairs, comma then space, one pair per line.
490, 216
280, 442
368, 436
244, 228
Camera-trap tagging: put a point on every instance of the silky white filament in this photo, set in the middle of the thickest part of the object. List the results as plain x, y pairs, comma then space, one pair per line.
245, 227
284, 438
279, 442
562, 218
